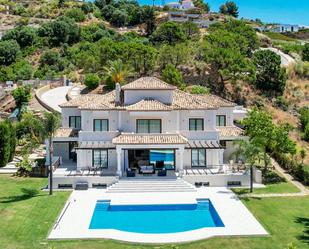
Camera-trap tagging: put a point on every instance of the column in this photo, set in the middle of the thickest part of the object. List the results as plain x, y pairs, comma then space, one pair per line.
181, 154
118, 151
47, 152
221, 151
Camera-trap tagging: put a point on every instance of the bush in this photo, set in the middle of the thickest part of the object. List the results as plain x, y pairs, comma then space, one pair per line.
281, 103
24, 167
92, 81
110, 84
76, 13
9, 51
199, 90
22, 95
25, 36
5, 148
304, 117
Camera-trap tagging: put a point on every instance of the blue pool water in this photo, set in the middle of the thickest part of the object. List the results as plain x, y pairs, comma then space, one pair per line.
280, 11
155, 218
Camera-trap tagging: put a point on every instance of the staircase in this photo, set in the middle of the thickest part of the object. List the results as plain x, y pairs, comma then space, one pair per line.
150, 185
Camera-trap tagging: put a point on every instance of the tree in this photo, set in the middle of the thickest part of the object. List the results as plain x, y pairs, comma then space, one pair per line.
119, 18
12, 139
4, 143
51, 124
221, 49
9, 51
251, 153
168, 32
176, 55
202, 5
304, 116
171, 75
61, 30
305, 52
306, 132
191, 30
269, 74
260, 128
25, 35
76, 13
116, 72
22, 70
22, 95
149, 18
229, 8
92, 81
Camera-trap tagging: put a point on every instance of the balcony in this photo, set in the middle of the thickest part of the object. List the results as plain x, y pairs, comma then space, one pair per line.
200, 135
97, 135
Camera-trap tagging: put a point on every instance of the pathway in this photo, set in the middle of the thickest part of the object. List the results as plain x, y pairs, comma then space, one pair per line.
303, 189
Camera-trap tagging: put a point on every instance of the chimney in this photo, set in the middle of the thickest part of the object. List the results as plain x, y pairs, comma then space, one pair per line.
117, 97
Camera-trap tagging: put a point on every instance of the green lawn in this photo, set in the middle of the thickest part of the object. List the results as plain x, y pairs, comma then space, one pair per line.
27, 216
282, 187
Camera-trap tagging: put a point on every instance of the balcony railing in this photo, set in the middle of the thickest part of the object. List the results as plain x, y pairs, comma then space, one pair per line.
97, 135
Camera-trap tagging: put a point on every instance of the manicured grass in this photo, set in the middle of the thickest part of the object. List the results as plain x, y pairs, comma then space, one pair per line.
27, 216
278, 188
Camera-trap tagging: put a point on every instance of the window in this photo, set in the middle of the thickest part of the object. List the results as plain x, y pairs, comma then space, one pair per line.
75, 122
221, 120
196, 124
198, 158
100, 125
100, 158
148, 126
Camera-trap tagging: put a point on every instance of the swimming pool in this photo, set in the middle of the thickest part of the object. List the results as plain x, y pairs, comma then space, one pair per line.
148, 219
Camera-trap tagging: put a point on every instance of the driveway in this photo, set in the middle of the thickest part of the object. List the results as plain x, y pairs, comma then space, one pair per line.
55, 97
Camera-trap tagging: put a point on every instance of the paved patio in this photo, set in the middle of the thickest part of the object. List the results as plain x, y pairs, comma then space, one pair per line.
56, 96
73, 223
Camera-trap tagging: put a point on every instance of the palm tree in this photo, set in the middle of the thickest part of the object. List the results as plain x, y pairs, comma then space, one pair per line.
51, 124
251, 154
117, 71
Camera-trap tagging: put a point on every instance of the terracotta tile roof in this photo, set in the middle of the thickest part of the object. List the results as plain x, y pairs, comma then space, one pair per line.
148, 105
216, 100
181, 100
66, 132
148, 83
149, 139
230, 131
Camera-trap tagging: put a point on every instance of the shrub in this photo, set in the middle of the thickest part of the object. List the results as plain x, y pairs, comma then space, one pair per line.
22, 95
92, 81
24, 167
281, 103
304, 116
5, 148
9, 51
197, 89
76, 13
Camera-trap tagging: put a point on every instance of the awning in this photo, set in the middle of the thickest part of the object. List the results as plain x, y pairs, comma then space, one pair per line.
195, 144
95, 145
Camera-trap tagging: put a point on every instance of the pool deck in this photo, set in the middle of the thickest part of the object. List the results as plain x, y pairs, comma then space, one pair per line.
74, 220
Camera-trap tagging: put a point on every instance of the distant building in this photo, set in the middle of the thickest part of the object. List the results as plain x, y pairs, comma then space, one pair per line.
185, 5
278, 28
182, 16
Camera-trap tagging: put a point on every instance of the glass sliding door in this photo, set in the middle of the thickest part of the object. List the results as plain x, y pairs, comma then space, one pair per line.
100, 158
162, 158
198, 157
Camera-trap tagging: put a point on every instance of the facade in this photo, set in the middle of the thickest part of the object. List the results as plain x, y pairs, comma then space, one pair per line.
146, 122
279, 28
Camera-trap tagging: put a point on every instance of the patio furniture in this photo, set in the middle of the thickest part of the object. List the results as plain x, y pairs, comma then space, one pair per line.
130, 173
159, 164
82, 185
93, 169
162, 172
146, 169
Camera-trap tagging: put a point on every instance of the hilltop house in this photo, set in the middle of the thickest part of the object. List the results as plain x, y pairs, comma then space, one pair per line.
145, 127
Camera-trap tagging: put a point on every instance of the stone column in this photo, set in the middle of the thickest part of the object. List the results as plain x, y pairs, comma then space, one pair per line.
119, 152
181, 154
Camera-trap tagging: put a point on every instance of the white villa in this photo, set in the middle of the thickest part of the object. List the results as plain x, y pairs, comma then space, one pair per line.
147, 127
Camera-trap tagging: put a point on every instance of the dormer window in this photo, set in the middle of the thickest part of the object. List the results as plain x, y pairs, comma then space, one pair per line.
148, 126
196, 124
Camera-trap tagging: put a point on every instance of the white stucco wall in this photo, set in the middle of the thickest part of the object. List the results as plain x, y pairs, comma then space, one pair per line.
66, 113
62, 150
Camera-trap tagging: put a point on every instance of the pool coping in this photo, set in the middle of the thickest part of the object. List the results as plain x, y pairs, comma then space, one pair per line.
75, 219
